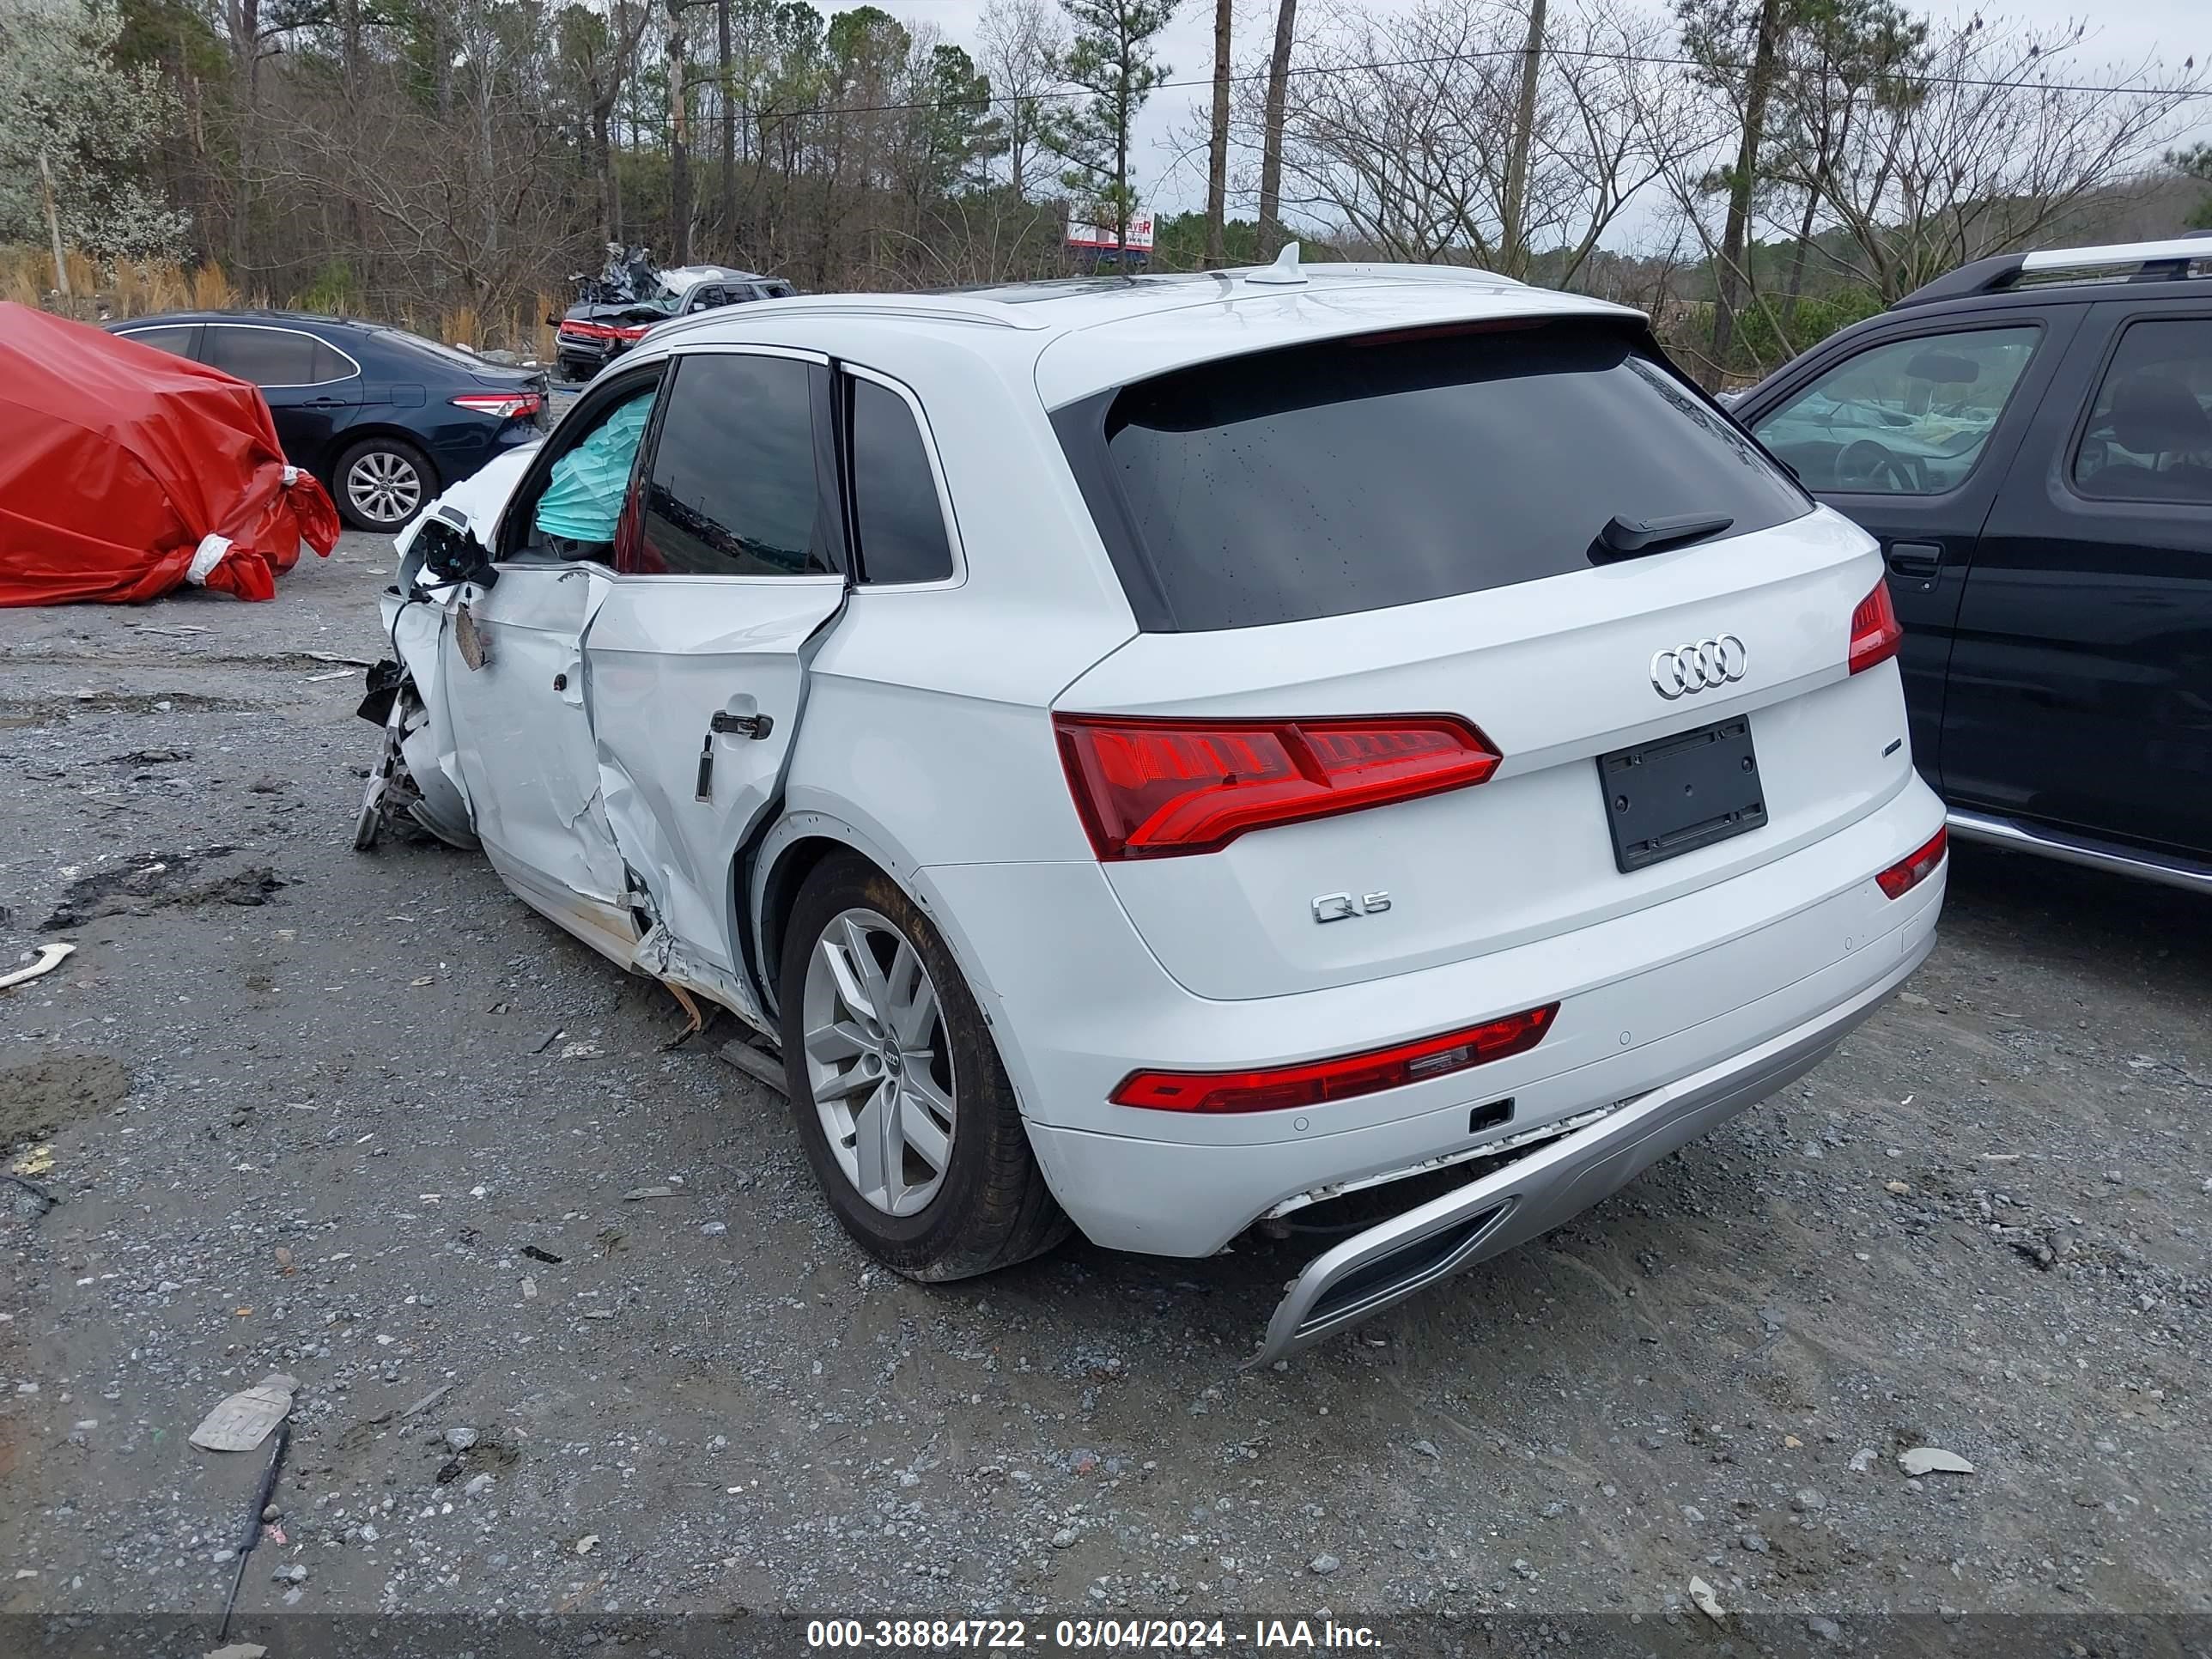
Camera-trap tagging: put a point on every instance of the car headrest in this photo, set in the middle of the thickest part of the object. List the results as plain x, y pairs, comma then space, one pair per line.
2155, 415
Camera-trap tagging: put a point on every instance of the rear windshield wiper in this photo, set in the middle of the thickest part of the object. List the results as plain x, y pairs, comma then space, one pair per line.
1630, 538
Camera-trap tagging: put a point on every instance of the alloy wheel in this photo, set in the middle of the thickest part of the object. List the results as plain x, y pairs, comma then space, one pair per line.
879, 1065
383, 486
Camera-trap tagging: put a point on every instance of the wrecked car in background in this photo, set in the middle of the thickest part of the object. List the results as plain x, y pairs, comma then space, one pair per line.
126, 473
613, 310
1155, 757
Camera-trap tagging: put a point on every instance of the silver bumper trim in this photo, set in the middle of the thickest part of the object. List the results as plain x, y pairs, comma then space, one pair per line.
1389, 1263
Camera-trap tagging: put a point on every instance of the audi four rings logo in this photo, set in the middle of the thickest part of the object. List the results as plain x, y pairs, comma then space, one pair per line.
1692, 668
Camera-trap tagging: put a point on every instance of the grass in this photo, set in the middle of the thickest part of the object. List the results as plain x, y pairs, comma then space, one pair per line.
100, 289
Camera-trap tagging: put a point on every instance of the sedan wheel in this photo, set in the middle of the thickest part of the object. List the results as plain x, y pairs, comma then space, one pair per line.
877, 1064
384, 487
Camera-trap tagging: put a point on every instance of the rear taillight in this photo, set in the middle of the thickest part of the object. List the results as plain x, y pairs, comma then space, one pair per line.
604, 331
505, 405
1316, 1082
1158, 788
1908, 873
1875, 629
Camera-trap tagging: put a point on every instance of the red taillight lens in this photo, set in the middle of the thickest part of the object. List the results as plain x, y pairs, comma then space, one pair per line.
1875, 629
603, 332
504, 404
1158, 788
1277, 1087
1907, 874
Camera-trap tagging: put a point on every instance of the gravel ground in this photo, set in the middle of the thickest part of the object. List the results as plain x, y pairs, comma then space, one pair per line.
368, 1122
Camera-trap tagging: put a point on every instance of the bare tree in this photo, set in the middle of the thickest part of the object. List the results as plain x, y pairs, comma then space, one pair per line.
1272, 236
1216, 153
1991, 142
1402, 133
1714, 31
679, 137
1018, 42
1513, 253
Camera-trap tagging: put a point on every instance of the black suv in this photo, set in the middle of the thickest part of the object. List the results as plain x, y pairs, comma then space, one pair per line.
2029, 438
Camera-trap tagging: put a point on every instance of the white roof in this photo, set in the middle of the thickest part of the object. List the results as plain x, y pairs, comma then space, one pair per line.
1082, 335
682, 279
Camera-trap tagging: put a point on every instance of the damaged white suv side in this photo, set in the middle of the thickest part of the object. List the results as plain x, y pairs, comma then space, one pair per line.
1155, 756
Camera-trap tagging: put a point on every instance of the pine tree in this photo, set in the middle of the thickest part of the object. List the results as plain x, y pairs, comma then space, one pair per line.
1111, 60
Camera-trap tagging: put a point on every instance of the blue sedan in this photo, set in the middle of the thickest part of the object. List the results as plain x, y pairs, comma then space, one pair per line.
385, 419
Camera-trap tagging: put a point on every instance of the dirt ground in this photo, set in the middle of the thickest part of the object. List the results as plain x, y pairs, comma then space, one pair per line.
368, 1122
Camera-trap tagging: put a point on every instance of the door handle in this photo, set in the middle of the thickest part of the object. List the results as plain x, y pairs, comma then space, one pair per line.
726, 723
744, 726
1924, 560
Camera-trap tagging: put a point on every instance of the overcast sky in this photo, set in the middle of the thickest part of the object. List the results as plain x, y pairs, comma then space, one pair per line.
2121, 36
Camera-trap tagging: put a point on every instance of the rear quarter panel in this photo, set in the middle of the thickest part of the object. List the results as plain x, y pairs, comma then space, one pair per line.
927, 738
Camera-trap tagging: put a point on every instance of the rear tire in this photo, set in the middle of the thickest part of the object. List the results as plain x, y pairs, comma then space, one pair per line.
897, 1039
382, 482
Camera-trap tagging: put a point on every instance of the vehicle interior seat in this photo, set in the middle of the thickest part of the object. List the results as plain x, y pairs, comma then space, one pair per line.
2156, 416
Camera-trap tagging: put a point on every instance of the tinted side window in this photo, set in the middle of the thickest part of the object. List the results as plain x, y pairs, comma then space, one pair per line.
733, 490
2149, 436
1318, 480
331, 364
901, 521
266, 356
1909, 417
178, 342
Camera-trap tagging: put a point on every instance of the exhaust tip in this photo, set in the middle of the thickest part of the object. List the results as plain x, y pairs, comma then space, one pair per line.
1397, 1272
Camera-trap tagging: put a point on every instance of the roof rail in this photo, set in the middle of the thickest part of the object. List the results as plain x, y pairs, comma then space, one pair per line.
1430, 272
987, 313
2166, 260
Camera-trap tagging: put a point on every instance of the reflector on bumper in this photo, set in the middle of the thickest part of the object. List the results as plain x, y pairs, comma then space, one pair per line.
1272, 1088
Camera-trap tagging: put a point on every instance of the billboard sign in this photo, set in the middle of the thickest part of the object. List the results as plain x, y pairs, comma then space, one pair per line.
1100, 238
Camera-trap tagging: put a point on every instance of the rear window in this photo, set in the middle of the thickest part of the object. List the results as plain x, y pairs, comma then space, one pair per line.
426, 347
1357, 475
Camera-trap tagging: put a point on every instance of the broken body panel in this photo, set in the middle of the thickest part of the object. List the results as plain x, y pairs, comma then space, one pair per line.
586, 802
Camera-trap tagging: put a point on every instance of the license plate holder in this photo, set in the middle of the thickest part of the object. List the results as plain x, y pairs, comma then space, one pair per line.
1674, 795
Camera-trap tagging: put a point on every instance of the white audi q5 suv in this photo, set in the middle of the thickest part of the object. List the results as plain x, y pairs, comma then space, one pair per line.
1156, 755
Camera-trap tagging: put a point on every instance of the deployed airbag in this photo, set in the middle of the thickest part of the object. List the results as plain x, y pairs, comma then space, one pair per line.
584, 497
125, 472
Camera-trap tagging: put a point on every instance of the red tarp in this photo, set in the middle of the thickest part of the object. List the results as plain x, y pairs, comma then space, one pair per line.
125, 472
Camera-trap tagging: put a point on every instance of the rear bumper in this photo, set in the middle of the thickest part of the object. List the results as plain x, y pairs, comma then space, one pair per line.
1560, 1179
1646, 999
1183, 1197
593, 354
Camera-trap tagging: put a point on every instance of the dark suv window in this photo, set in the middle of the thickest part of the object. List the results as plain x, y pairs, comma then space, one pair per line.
2149, 436
266, 356
732, 491
901, 521
1352, 476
